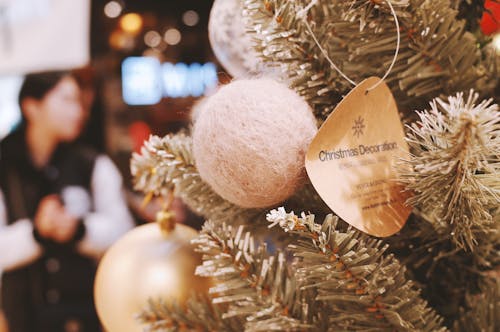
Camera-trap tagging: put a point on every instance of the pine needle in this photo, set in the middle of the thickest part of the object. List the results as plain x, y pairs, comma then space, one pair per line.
454, 169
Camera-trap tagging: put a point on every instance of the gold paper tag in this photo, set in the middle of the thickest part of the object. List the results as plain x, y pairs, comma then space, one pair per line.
351, 160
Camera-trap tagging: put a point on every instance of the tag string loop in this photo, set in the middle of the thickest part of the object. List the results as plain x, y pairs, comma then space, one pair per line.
303, 14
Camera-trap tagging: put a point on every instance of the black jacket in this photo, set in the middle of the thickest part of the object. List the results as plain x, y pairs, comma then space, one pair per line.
53, 293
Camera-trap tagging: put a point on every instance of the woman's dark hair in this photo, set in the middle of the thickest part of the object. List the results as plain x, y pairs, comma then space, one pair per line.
39, 84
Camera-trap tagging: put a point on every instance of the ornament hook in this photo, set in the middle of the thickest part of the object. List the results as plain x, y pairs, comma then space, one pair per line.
166, 218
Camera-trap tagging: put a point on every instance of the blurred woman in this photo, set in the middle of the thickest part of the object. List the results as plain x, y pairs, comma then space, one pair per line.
61, 207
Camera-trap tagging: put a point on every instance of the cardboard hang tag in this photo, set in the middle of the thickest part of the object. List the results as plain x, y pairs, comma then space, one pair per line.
351, 161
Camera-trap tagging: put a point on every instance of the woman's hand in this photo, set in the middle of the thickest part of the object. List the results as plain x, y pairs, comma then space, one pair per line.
52, 221
65, 227
47, 211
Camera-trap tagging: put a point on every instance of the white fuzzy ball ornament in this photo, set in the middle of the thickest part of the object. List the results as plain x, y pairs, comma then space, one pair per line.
250, 139
230, 42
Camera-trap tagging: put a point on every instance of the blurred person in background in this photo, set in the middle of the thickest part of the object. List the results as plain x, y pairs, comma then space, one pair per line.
61, 207
93, 134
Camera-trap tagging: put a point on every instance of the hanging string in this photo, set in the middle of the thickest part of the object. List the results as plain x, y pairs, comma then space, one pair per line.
332, 64
303, 14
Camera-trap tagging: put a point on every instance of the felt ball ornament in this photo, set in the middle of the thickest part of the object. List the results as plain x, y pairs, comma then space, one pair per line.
249, 141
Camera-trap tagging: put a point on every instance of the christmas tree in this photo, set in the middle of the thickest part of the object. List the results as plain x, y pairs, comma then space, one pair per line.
295, 264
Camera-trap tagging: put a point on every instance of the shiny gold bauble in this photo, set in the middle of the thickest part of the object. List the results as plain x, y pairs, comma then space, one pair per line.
3, 323
145, 264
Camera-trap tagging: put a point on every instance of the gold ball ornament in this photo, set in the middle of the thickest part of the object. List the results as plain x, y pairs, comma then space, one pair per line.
3, 323
149, 262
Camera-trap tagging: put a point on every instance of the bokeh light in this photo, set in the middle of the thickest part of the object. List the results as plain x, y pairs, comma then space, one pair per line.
172, 36
131, 23
496, 42
113, 9
152, 38
120, 40
190, 18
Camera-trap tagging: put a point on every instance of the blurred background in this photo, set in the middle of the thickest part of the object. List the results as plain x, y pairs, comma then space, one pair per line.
142, 64
149, 61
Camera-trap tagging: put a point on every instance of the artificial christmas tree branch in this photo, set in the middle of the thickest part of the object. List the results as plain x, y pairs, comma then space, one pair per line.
483, 312
341, 281
362, 289
454, 167
453, 172
436, 55
258, 287
471, 11
445, 273
330, 277
197, 314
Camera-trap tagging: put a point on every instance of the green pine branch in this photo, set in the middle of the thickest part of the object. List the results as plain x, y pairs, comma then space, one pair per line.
454, 167
482, 312
339, 279
437, 56
471, 11
445, 272
197, 315
257, 288
361, 288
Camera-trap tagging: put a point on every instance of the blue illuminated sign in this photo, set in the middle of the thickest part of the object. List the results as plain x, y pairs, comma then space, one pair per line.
145, 81
141, 83
181, 80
